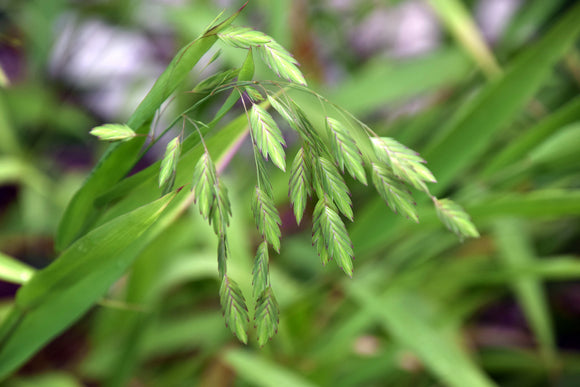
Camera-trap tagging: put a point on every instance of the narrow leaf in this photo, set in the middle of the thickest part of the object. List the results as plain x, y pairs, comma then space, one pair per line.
113, 132
169, 165
328, 181
393, 192
267, 136
299, 186
455, 218
235, 309
345, 150
266, 316
330, 237
267, 218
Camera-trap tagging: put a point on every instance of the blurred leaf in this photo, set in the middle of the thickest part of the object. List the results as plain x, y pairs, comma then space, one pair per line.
12, 270
516, 250
462, 26
562, 148
473, 128
60, 294
455, 218
515, 150
259, 371
360, 94
437, 348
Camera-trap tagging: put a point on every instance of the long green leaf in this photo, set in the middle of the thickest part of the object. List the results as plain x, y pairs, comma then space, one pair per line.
516, 251
472, 131
58, 295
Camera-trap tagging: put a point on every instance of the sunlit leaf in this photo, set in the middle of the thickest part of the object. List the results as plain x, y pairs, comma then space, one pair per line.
243, 37
113, 132
281, 62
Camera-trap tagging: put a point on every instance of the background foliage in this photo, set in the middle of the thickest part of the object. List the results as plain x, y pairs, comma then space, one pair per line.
497, 122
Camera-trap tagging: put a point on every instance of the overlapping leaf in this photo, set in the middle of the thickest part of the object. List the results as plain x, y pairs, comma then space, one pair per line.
267, 136
204, 182
281, 62
235, 309
169, 165
328, 181
267, 218
299, 186
405, 163
243, 37
260, 271
345, 150
266, 316
220, 211
455, 218
330, 237
393, 192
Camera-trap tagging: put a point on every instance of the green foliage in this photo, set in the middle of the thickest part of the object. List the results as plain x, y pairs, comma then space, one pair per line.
500, 146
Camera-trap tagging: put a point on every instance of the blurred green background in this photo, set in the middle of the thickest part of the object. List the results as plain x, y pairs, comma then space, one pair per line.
487, 91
